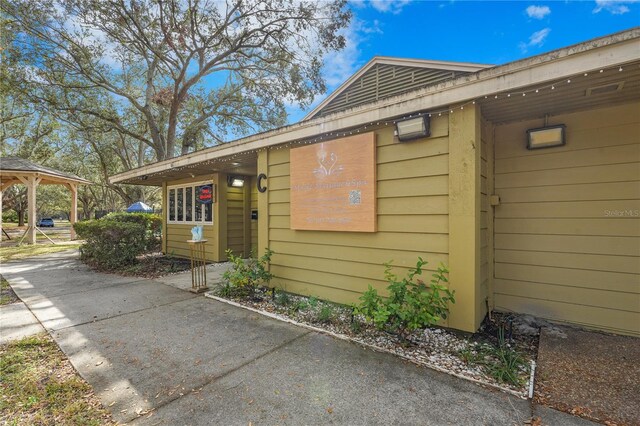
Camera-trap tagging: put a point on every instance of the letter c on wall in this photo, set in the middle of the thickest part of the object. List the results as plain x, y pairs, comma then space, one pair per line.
261, 188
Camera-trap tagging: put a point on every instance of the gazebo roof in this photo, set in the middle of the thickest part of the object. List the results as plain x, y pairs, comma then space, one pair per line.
11, 167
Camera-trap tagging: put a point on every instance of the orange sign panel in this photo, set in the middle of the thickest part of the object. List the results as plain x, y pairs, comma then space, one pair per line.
333, 185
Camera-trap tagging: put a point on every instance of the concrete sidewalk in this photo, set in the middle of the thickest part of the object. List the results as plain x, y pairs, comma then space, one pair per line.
156, 354
16, 322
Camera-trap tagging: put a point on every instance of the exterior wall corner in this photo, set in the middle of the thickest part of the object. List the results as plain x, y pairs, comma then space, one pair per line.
464, 219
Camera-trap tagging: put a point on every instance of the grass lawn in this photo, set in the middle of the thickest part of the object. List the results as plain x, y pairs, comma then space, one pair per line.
7, 296
28, 250
39, 386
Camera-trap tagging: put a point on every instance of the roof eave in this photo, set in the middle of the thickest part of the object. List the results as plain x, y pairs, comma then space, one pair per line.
580, 57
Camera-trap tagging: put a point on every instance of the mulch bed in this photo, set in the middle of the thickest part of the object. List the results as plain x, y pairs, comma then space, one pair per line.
434, 347
157, 265
590, 374
149, 266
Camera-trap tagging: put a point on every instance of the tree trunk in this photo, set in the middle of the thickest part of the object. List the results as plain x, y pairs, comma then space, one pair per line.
20, 217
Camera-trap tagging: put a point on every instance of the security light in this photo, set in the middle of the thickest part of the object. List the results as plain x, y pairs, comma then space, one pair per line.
413, 128
546, 137
235, 181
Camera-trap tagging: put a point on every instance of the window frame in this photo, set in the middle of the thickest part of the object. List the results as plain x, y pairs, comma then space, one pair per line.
182, 187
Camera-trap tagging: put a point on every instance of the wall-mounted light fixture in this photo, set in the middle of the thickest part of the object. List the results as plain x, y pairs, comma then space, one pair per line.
235, 181
546, 137
413, 128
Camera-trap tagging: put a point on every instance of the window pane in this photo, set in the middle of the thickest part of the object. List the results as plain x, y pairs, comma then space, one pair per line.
204, 203
188, 204
180, 204
198, 212
172, 204
208, 212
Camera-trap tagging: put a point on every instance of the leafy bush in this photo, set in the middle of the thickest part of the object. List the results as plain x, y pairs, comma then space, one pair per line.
9, 216
244, 277
411, 303
117, 239
152, 224
110, 244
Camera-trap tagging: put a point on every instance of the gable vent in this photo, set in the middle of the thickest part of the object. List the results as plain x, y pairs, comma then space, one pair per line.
607, 88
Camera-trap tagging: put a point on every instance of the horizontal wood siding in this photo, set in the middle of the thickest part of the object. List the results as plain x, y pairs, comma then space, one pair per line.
178, 235
235, 220
412, 197
567, 232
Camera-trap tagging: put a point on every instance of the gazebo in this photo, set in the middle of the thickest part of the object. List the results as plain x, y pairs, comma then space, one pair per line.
15, 170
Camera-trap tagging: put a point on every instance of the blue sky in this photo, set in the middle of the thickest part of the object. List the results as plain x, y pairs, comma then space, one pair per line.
470, 31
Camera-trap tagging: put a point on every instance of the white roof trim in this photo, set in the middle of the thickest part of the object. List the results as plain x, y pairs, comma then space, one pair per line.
387, 60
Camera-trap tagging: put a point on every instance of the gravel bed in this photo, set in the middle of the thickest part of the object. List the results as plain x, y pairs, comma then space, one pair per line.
434, 347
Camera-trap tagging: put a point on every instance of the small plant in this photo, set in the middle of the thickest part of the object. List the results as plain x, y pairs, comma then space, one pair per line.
325, 315
244, 277
507, 364
301, 305
355, 326
470, 355
411, 304
283, 299
502, 362
312, 301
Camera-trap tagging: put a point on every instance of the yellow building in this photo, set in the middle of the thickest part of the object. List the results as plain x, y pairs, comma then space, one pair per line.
523, 178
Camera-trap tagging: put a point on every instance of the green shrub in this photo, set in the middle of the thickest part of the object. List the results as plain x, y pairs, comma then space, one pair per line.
114, 241
9, 216
110, 244
411, 303
244, 277
152, 224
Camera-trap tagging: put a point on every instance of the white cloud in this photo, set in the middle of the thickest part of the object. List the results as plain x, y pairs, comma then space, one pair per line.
615, 7
383, 6
536, 39
373, 28
538, 12
339, 66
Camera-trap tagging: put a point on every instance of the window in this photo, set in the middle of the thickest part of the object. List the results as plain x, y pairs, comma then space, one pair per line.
192, 203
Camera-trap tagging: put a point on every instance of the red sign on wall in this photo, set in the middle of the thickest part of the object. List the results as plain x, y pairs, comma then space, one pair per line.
204, 194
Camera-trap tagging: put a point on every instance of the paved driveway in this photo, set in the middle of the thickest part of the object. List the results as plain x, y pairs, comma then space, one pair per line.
148, 347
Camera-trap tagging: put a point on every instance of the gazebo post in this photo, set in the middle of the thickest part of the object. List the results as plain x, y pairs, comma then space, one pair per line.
73, 214
32, 184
